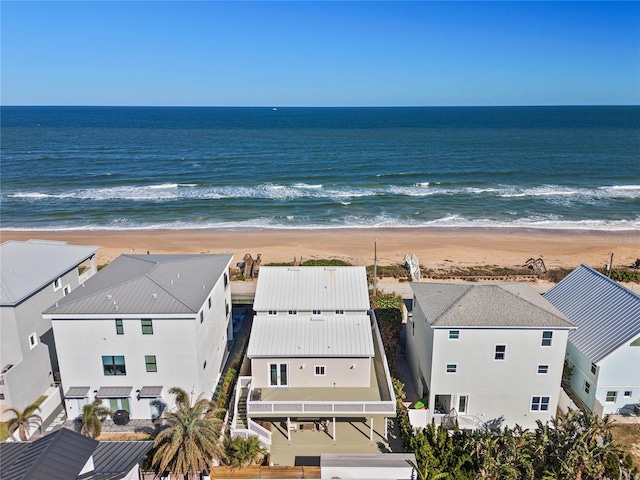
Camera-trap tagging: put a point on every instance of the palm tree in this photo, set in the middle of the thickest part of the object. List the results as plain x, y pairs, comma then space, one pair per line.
23, 420
92, 414
191, 441
241, 452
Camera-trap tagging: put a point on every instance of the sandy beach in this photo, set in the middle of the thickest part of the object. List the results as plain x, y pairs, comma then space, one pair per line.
435, 248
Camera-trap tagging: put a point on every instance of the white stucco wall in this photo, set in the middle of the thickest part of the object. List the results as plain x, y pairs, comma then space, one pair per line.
419, 346
338, 372
499, 392
620, 373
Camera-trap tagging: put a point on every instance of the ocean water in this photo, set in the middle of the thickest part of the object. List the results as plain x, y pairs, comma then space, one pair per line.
92, 168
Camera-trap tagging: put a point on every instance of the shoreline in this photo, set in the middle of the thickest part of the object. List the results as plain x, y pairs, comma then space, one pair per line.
435, 247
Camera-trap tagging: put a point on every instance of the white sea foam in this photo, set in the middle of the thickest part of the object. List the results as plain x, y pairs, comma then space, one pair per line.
357, 222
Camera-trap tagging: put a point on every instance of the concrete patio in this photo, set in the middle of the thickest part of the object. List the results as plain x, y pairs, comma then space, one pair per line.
352, 436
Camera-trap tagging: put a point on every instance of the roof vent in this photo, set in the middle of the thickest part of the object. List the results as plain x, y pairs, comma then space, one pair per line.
294, 269
172, 281
154, 295
109, 297
116, 307
178, 275
330, 269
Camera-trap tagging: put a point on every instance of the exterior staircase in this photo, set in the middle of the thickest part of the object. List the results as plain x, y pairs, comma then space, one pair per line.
242, 410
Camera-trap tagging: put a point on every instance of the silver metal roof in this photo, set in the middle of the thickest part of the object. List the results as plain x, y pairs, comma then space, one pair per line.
77, 392
114, 392
26, 267
146, 284
312, 288
61, 455
507, 305
367, 460
150, 392
114, 460
606, 313
293, 336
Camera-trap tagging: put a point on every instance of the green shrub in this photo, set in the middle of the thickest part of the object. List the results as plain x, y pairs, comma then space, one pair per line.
223, 393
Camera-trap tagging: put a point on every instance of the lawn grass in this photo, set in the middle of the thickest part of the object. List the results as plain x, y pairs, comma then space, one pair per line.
4, 431
627, 436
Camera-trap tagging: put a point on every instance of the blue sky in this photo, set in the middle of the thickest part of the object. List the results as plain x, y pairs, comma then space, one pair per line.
320, 53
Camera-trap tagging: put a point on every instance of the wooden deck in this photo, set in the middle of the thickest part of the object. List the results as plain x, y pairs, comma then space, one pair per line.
265, 472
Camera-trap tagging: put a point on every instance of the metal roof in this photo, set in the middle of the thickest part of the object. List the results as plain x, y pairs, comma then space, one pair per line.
507, 305
26, 267
146, 285
312, 288
114, 460
61, 455
150, 392
293, 336
606, 313
114, 392
77, 392
367, 460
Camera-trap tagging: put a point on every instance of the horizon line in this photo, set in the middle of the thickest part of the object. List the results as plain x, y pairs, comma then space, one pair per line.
275, 106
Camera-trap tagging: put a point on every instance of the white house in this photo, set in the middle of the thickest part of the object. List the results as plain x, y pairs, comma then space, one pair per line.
144, 324
486, 354
34, 275
604, 351
316, 355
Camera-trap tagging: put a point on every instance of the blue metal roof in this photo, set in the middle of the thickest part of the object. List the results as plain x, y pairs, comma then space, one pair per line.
607, 314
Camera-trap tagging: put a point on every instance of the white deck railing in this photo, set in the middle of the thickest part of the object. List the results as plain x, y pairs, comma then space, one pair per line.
302, 408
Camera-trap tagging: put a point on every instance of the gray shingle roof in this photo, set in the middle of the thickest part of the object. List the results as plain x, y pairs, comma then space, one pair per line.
508, 305
147, 284
606, 313
292, 336
312, 288
26, 267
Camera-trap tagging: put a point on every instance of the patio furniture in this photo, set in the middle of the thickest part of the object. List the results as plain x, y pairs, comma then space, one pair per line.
307, 426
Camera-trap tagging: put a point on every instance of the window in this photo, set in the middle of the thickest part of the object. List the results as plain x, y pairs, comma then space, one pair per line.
339, 312
201, 316
539, 404
147, 326
320, 370
150, 363
226, 308
278, 374
226, 280
454, 334
67, 290
463, 401
204, 365
114, 365
611, 396
57, 285
33, 340
452, 368
594, 369
543, 369
317, 312
293, 312
273, 312
501, 352
587, 387
209, 303
413, 328
546, 339
627, 393
119, 327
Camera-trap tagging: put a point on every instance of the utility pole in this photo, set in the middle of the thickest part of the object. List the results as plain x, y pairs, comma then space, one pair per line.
375, 265
610, 265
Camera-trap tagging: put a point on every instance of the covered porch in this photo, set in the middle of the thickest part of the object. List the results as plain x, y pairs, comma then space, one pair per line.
295, 442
